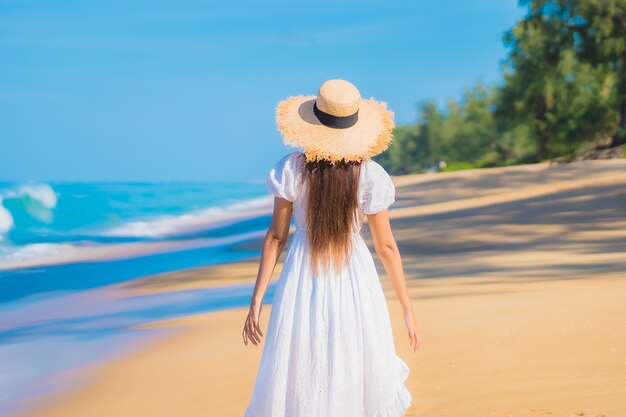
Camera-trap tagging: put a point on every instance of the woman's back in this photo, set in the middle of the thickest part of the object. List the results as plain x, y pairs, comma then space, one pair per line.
376, 190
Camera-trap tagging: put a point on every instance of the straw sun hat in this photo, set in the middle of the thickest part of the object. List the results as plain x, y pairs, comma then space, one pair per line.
335, 125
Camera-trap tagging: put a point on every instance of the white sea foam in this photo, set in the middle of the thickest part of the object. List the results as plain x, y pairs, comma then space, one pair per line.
26, 253
6, 220
193, 221
41, 254
42, 194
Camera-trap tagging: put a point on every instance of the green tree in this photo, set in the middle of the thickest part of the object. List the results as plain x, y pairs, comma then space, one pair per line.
471, 132
429, 132
596, 31
563, 89
464, 131
417, 146
559, 99
404, 154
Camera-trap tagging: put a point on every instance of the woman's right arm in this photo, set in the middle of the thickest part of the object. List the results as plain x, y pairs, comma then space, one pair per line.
388, 252
275, 241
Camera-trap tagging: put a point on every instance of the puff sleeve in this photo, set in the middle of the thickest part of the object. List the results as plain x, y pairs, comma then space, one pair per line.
281, 181
377, 189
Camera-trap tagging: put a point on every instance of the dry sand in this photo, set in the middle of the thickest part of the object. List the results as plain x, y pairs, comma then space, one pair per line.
518, 280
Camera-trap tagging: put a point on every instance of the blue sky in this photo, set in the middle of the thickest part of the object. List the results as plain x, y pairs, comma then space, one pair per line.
140, 90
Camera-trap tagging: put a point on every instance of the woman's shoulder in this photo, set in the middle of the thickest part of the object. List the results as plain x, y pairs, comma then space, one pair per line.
376, 189
282, 180
289, 167
373, 171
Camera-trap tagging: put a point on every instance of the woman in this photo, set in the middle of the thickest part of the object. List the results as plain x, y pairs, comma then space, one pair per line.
329, 349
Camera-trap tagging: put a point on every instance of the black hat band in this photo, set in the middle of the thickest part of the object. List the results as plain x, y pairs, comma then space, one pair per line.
336, 122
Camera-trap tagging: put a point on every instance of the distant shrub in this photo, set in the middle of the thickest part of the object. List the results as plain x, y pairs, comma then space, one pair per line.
458, 166
490, 159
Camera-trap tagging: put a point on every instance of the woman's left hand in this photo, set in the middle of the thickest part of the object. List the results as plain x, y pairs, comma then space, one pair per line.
251, 328
413, 330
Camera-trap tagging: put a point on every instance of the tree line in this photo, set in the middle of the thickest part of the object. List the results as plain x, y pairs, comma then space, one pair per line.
563, 91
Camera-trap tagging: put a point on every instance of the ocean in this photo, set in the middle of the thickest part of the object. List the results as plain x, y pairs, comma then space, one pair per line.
63, 245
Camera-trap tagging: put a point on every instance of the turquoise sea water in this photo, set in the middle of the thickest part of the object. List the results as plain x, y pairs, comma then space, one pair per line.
64, 245
106, 212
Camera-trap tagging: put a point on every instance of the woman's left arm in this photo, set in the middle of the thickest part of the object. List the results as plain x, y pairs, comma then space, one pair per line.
275, 241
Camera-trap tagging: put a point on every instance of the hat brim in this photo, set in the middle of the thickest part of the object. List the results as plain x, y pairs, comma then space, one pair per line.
300, 128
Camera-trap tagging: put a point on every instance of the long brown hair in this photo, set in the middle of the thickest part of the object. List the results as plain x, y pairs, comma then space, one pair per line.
331, 210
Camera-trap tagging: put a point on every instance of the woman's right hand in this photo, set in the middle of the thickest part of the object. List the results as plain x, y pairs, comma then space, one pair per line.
251, 328
413, 330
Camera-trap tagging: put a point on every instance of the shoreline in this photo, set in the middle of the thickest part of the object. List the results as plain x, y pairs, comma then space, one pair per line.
467, 253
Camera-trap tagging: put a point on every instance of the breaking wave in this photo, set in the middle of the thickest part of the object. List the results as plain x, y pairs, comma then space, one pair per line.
37, 199
196, 220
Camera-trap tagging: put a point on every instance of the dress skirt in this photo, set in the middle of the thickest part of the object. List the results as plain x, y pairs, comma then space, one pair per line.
329, 348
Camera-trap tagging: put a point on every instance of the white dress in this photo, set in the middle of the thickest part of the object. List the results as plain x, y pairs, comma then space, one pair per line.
329, 349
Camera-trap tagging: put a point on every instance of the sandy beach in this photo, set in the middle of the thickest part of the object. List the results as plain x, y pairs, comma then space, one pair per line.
518, 280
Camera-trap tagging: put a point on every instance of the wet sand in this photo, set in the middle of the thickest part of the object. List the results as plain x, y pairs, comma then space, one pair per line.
518, 280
